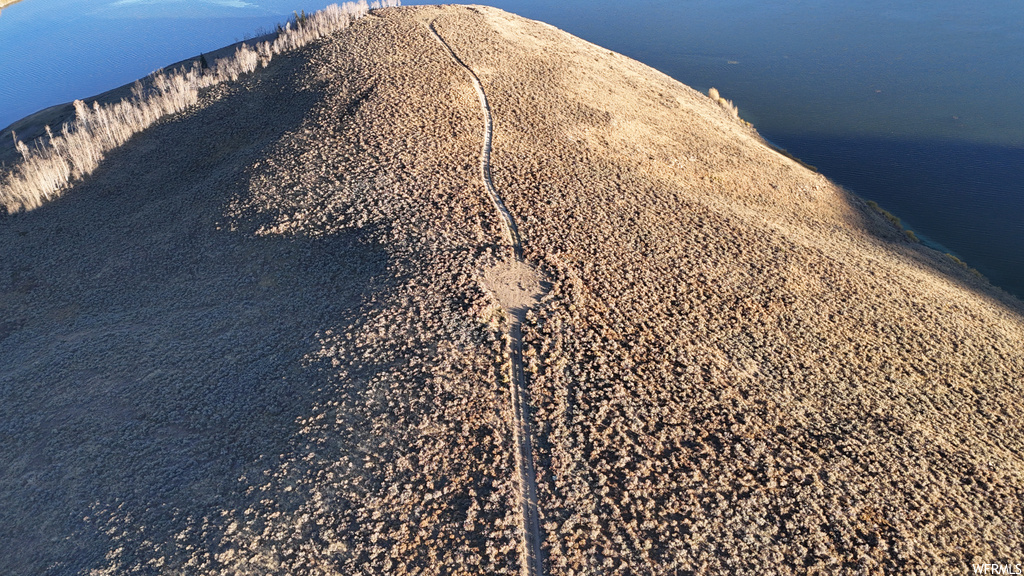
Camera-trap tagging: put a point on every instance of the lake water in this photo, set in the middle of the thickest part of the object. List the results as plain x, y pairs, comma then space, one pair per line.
919, 106
54, 51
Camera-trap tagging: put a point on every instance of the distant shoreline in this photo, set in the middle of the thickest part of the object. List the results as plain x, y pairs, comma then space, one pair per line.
31, 127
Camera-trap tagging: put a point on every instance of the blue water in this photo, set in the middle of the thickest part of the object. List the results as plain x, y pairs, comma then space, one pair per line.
54, 51
918, 106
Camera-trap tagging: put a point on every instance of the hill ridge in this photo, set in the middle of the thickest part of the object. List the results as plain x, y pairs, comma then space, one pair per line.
271, 335
532, 563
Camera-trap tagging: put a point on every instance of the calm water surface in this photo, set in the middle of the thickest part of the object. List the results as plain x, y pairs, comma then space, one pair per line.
919, 106
54, 51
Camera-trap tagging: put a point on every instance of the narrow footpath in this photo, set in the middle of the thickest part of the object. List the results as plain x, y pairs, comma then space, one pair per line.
532, 561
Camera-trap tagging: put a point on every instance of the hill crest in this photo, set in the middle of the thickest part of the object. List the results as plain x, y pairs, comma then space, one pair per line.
270, 340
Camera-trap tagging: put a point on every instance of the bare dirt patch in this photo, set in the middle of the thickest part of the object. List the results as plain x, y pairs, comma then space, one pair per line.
516, 285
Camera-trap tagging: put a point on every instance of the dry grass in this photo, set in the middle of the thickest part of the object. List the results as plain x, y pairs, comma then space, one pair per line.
894, 220
727, 105
49, 167
738, 368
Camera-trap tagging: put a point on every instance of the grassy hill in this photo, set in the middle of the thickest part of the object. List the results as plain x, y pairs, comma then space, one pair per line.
268, 335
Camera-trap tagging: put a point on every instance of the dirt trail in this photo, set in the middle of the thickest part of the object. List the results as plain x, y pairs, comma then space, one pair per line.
532, 561
509, 223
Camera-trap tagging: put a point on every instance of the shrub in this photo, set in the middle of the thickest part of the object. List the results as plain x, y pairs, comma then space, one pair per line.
956, 261
726, 104
885, 214
729, 106
964, 265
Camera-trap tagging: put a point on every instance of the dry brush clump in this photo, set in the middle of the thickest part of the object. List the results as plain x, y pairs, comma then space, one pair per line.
732, 371
894, 220
49, 167
725, 104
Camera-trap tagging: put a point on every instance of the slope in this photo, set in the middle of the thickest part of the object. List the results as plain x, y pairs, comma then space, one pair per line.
270, 336
739, 368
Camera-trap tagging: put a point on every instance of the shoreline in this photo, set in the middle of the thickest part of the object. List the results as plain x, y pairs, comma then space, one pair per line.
30, 128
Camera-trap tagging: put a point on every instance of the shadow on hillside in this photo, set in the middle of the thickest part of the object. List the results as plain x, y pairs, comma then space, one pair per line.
973, 193
150, 359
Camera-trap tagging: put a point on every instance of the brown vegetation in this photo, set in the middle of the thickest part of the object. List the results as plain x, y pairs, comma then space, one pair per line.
48, 167
267, 432
737, 369
727, 105
274, 347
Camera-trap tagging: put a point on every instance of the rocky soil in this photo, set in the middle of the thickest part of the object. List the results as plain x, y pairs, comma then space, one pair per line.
267, 336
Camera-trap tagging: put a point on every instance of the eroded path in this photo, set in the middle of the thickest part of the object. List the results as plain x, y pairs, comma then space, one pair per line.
518, 284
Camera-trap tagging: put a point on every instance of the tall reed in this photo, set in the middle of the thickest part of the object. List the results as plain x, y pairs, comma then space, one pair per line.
726, 104
53, 163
